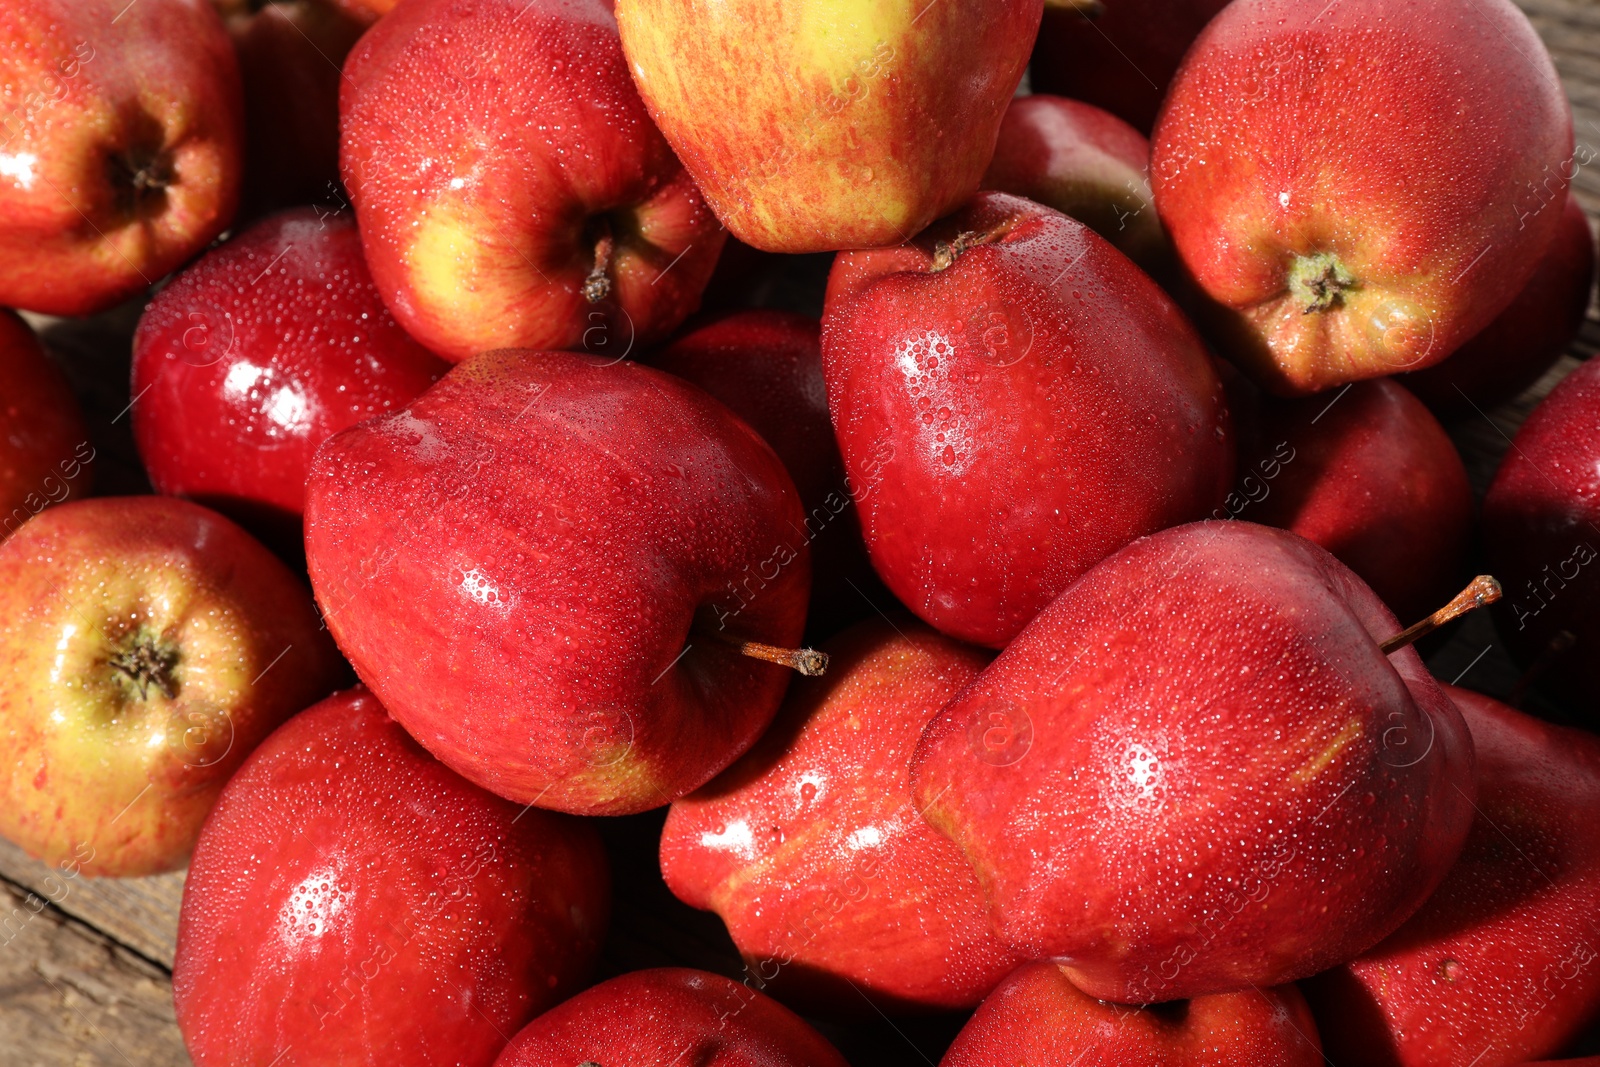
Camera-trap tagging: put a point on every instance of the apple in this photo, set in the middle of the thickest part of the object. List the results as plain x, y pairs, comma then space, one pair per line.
1372, 477
1038, 1016
354, 900
1334, 246
45, 453
829, 125
548, 567
1541, 532
148, 645
668, 1017
1526, 339
256, 354
120, 155
1014, 400
1197, 771
834, 888
1116, 54
1497, 967
510, 187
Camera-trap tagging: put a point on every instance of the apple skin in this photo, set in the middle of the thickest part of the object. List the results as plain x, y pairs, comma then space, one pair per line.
1038, 1016
1539, 530
122, 144
1525, 339
255, 355
514, 563
1121, 57
670, 1016
45, 454
98, 774
1325, 274
481, 168
830, 125
1012, 419
352, 899
1095, 774
814, 855
1372, 477
1496, 967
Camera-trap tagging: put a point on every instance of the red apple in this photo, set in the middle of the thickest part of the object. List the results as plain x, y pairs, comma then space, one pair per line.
1541, 530
510, 186
1015, 400
544, 567
121, 150
810, 848
1310, 167
44, 448
1196, 771
1497, 967
829, 124
353, 900
1526, 338
670, 1017
1372, 477
146, 646
258, 353
1117, 54
1038, 1016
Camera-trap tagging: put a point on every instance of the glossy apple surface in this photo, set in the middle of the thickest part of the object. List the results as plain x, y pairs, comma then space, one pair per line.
1387, 261
667, 1017
811, 850
1541, 530
147, 646
510, 186
1497, 966
831, 124
123, 146
539, 566
255, 355
1196, 771
1014, 404
45, 451
1038, 1016
354, 899
1372, 477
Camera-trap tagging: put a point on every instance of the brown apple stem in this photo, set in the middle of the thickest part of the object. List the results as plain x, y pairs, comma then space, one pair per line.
1484, 589
945, 252
808, 661
597, 286
1561, 643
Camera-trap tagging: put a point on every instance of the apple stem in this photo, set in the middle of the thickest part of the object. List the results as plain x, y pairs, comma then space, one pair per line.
945, 252
597, 286
1484, 589
808, 661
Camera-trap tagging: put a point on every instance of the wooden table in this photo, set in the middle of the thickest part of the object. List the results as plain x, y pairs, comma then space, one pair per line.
85, 965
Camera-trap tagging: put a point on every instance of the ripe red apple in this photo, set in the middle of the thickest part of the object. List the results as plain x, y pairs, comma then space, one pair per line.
1015, 400
669, 1017
1526, 338
146, 646
1372, 477
354, 900
258, 353
1117, 54
510, 186
1335, 249
1038, 1016
767, 367
120, 156
1541, 531
829, 125
544, 567
833, 886
1196, 771
45, 453
1497, 967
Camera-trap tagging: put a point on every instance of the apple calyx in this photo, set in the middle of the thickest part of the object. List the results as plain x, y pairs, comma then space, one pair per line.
597, 286
1319, 281
141, 177
146, 660
1484, 589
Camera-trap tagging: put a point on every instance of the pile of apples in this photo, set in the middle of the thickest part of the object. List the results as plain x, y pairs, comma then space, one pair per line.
1026, 636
